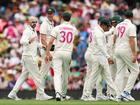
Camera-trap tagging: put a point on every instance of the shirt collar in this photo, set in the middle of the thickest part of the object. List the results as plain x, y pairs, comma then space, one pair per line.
50, 22
65, 22
127, 20
30, 28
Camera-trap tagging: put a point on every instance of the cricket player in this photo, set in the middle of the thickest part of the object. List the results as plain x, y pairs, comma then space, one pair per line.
126, 56
45, 30
97, 60
64, 35
110, 49
29, 41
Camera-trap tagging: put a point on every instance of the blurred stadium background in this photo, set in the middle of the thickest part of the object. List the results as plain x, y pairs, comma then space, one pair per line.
85, 13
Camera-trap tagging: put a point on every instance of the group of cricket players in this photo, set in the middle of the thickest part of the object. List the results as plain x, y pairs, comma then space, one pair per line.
111, 56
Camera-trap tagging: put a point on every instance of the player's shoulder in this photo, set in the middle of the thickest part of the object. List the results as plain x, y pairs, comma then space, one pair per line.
97, 29
27, 29
133, 26
120, 23
97, 32
68, 26
123, 23
73, 27
56, 28
44, 23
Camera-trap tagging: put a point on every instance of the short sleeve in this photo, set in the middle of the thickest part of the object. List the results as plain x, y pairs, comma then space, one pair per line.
43, 28
54, 32
132, 31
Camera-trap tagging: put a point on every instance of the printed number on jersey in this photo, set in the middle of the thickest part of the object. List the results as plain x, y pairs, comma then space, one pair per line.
66, 37
121, 31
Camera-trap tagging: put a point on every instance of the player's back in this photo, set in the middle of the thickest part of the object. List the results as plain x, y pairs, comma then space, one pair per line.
123, 31
95, 34
64, 34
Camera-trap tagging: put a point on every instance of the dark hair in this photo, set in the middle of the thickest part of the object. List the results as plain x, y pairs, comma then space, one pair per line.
66, 16
50, 10
105, 22
128, 14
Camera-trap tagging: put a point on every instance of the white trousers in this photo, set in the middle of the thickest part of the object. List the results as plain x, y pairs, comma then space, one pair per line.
94, 62
30, 66
61, 66
113, 70
45, 67
124, 62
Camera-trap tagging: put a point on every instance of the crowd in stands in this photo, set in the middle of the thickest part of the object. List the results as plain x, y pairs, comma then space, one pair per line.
85, 13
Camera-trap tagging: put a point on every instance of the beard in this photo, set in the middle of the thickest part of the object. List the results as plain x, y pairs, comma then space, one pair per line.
33, 25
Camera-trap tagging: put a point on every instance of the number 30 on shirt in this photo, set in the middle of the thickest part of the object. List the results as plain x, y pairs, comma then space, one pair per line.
66, 37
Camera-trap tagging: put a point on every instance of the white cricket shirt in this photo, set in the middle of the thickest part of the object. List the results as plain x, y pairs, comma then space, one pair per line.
124, 30
46, 28
29, 49
97, 42
64, 34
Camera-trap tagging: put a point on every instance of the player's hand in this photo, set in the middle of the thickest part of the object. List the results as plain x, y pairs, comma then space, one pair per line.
134, 58
48, 57
110, 61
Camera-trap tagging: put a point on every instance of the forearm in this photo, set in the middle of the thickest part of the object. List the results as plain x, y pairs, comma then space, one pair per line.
43, 40
114, 40
132, 45
49, 47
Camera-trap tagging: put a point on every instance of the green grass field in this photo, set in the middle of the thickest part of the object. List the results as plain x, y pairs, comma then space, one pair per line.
70, 102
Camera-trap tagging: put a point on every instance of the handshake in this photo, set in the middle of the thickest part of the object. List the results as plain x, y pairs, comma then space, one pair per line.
110, 61
48, 57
